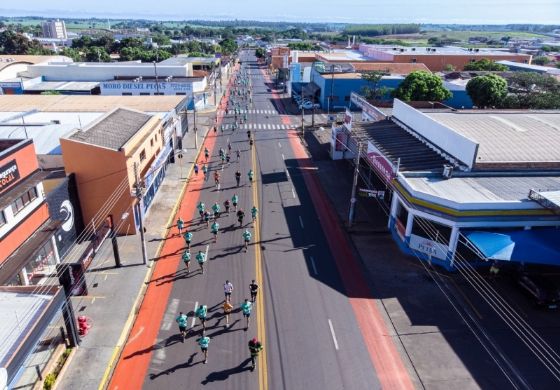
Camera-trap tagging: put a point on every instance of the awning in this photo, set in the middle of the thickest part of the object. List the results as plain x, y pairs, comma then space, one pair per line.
538, 246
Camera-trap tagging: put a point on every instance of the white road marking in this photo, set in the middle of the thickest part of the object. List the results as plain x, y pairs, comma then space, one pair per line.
283, 158
301, 222
140, 331
279, 145
170, 314
194, 316
293, 193
333, 335
313, 265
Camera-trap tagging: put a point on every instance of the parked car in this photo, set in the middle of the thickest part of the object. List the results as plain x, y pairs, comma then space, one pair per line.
544, 291
307, 105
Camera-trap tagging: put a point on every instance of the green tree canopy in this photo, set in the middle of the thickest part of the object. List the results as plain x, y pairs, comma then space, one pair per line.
487, 91
422, 86
535, 90
97, 54
372, 90
487, 65
72, 53
229, 46
541, 60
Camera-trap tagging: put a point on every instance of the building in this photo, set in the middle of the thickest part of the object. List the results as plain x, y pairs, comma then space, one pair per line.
28, 249
455, 181
113, 153
46, 119
11, 66
54, 29
518, 67
437, 59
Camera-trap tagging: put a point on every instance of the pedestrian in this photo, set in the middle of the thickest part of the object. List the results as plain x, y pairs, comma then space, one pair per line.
201, 313
253, 289
255, 346
214, 229
246, 308
203, 342
188, 238
235, 201
228, 289
187, 260
196, 169
180, 225
205, 171
201, 258
227, 206
228, 307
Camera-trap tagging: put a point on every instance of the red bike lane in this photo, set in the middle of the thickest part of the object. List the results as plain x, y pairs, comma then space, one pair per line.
133, 363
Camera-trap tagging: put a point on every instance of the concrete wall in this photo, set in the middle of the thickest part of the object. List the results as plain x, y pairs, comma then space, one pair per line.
438, 62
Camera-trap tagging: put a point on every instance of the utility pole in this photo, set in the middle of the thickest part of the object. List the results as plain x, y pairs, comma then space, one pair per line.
354, 185
139, 194
302, 118
332, 86
157, 80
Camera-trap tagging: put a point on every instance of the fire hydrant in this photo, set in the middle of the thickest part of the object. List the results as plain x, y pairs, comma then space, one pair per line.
83, 325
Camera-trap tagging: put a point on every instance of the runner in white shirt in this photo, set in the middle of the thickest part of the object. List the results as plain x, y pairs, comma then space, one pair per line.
228, 289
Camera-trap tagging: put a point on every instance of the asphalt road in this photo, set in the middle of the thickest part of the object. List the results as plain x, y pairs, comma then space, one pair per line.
312, 338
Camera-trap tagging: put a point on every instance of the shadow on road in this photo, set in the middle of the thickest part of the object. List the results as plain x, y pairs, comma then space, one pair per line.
188, 363
225, 374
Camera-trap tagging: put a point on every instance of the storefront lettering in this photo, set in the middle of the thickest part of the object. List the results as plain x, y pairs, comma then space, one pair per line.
9, 173
163, 86
380, 163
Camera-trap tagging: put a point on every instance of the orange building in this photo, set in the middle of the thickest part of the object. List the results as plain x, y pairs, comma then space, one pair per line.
104, 157
28, 250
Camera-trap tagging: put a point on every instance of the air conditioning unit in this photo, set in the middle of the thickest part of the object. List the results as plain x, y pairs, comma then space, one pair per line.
447, 171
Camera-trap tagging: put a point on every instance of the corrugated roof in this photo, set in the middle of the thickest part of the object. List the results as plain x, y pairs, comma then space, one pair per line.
9, 59
520, 137
395, 142
113, 130
389, 67
74, 103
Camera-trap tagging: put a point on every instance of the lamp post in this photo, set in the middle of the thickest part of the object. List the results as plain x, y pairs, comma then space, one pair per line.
354, 185
139, 193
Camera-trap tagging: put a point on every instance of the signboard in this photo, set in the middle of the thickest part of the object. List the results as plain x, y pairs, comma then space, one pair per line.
380, 163
379, 194
429, 247
348, 119
16, 85
9, 174
369, 112
169, 88
339, 139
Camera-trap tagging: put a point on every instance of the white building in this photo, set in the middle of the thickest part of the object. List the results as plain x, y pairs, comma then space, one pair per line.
54, 29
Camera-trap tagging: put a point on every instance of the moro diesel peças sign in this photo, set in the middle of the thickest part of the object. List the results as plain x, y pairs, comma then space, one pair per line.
9, 173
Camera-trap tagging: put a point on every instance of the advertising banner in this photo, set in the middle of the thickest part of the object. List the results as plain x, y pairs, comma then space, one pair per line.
429, 247
9, 174
380, 163
369, 112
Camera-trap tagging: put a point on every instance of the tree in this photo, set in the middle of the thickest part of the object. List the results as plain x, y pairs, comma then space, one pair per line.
422, 86
72, 53
260, 53
97, 54
449, 68
229, 46
487, 91
535, 90
486, 65
372, 90
541, 60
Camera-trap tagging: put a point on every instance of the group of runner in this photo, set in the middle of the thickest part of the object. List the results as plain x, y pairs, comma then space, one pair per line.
210, 216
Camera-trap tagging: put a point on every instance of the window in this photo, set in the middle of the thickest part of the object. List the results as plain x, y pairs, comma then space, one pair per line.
24, 200
159, 93
144, 94
127, 93
143, 155
413, 60
180, 93
2, 218
402, 214
432, 230
152, 142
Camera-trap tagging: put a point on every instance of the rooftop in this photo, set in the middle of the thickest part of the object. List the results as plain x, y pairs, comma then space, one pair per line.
113, 130
181, 61
10, 59
342, 56
508, 137
389, 67
535, 68
447, 50
82, 86
73, 103
395, 142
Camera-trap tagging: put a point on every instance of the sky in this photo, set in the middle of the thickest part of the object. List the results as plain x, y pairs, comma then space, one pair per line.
345, 11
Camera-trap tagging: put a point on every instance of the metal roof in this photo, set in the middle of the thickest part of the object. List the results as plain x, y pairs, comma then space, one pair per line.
63, 86
113, 130
395, 142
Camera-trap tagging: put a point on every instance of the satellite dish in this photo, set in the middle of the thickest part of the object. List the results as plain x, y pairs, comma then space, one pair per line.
3, 378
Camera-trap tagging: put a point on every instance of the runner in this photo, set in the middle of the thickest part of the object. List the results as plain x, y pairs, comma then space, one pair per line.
228, 158
205, 171
206, 154
253, 289
187, 260
248, 134
196, 169
238, 177
229, 146
234, 201
214, 229
180, 225
246, 238
238, 153
254, 212
188, 238
228, 289
203, 343
217, 178
201, 258
201, 207
251, 142
216, 210
240, 216
255, 346
182, 320
228, 307
207, 218
246, 308
226, 206
250, 174
201, 313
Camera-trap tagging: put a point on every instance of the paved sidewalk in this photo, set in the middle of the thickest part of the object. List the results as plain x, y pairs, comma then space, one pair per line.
115, 293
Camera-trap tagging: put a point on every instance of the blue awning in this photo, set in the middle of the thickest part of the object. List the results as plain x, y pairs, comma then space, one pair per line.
539, 246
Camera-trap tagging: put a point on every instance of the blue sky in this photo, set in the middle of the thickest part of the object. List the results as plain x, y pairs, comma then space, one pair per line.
351, 11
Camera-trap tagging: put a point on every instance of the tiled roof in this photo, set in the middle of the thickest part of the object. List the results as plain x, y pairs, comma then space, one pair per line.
113, 130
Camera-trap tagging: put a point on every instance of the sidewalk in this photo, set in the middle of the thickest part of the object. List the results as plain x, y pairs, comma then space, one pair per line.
115, 293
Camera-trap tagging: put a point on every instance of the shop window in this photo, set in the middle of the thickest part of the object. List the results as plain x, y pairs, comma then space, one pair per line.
2, 218
159, 93
180, 93
42, 264
144, 94
143, 155
20, 203
431, 230
127, 93
402, 214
